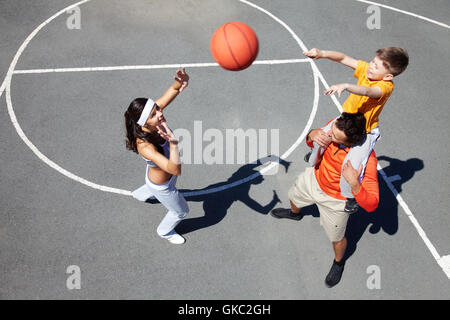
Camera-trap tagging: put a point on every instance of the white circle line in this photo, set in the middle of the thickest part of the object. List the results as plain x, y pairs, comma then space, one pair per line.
16, 123
72, 176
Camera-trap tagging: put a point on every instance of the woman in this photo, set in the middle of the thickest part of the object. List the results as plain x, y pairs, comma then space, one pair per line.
149, 135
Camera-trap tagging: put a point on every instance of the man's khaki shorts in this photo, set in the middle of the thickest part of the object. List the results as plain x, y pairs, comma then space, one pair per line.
306, 191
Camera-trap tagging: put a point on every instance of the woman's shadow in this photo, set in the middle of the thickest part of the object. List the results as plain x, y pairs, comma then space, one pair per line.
216, 205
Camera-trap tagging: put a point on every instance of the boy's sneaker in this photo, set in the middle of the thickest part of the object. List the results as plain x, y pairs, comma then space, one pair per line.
307, 156
335, 274
351, 206
281, 213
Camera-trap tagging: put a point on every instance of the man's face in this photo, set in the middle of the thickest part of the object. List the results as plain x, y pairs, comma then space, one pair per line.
337, 136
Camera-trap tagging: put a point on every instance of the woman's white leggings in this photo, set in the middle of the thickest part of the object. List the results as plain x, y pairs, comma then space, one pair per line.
168, 195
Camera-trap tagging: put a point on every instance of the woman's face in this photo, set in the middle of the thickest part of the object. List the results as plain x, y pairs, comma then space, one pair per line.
155, 118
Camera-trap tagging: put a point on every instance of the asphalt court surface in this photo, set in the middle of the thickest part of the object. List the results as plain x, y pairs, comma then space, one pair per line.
234, 249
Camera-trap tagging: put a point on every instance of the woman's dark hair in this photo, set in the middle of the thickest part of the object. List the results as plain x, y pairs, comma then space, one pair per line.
353, 125
134, 131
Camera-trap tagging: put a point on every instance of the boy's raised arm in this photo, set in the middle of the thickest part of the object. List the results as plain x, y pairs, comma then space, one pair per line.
332, 55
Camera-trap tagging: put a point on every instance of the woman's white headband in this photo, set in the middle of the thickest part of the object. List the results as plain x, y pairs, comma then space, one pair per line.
146, 112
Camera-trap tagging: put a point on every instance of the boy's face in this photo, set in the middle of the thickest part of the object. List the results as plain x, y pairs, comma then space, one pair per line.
377, 71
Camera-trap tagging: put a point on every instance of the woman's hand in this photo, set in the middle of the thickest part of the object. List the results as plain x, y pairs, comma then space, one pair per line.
165, 132
182, 78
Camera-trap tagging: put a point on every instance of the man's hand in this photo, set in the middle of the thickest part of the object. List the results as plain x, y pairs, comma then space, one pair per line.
313, 53
337, 88
320, 137
352, 176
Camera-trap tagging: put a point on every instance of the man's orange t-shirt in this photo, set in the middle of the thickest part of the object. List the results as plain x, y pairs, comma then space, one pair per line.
328, 175
370, 107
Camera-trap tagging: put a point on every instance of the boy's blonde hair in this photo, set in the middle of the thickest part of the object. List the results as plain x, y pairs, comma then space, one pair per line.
394, 59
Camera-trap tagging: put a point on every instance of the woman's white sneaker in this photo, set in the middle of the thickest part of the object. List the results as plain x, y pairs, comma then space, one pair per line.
176, 239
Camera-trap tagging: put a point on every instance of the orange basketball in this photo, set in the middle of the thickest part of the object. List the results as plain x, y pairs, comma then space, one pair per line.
234, 46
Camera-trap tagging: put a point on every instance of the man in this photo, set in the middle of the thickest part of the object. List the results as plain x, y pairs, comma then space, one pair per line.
320, 184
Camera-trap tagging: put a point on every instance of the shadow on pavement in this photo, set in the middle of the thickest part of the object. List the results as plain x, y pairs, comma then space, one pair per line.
386, 215
216, 205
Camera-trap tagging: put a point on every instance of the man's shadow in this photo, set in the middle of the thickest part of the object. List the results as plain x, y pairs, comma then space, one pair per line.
386, 215
216, 205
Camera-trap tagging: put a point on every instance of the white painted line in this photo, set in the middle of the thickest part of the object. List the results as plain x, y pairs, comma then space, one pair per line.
444, 262
409, 214
407, 13
149, 67
2, 87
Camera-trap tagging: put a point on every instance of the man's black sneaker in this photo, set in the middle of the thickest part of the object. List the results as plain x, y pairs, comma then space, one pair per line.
351, 206
281, 213
307, 156
335, 274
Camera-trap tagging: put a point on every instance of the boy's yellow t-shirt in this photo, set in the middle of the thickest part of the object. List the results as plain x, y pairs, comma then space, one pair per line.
370, 107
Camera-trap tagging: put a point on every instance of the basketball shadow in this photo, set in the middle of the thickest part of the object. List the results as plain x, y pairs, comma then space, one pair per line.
216, 205
385, 217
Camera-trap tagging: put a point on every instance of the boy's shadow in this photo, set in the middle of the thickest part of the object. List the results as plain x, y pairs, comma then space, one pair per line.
216, 205
386, 215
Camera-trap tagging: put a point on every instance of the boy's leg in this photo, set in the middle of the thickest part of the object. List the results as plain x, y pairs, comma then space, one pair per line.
358, 155
317, 151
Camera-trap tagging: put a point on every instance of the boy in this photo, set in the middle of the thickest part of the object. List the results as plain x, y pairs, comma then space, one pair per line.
368, 96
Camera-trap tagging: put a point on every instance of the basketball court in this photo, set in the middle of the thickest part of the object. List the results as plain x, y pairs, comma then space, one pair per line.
67, 177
